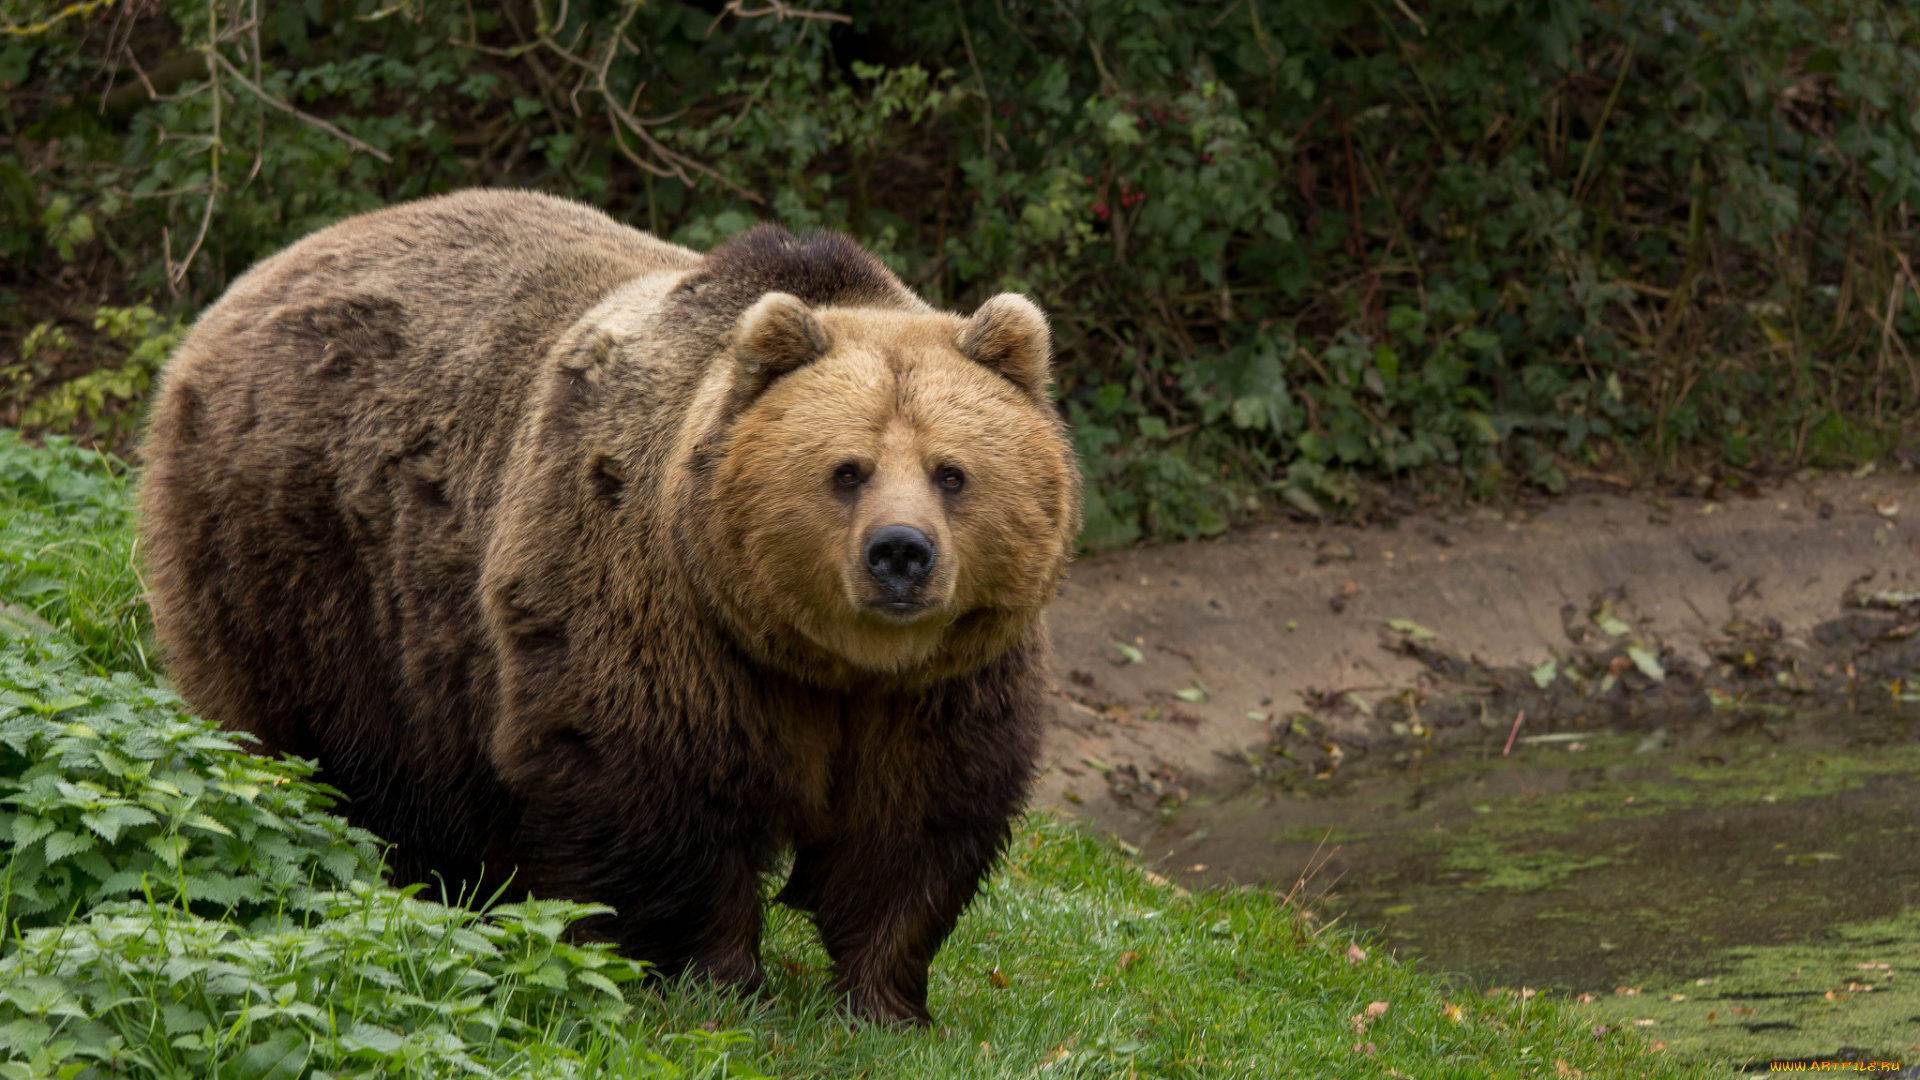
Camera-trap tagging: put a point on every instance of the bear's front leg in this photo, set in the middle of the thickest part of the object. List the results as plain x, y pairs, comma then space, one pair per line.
884, 904
683, 880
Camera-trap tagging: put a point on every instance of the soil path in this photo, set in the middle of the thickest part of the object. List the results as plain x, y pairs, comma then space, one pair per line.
1248, 623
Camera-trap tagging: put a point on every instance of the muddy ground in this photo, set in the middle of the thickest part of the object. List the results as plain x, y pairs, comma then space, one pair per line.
1658, 754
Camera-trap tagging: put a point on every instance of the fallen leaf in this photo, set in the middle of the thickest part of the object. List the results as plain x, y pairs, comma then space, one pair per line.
1293, 625
1127, 960
1677, 997
1612, 627
1356, 954
1410, 628
1128, 653
1648, 665
1586, 999
1544, 675
1196, 693
998, 980
1645, 1023
1451, 1012
1626, 991
1374, 1011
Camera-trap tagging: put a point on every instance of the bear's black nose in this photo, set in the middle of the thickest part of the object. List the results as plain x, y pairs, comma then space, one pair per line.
899, 557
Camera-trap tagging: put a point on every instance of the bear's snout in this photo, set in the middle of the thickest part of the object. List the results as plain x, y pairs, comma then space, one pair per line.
900, 559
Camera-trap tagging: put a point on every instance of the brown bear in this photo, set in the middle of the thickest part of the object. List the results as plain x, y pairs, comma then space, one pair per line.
573, 554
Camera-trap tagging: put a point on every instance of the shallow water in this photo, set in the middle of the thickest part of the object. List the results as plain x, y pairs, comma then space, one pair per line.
1598, 864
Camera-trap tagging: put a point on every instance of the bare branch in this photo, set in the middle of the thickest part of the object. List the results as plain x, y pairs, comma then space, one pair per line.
306, 116
778, 9
84, 7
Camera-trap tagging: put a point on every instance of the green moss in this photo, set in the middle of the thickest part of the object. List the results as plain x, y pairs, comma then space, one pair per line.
1523, 871
1857, 987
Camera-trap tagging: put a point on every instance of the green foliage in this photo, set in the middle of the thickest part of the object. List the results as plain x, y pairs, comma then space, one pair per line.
66, 552
1285, 247
378, 983
139, 340
112, 790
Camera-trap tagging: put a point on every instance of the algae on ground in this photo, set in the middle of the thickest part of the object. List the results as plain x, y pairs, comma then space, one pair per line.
1858, 990
1524, 871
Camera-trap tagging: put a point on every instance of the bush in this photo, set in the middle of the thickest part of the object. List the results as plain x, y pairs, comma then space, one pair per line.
1285, 245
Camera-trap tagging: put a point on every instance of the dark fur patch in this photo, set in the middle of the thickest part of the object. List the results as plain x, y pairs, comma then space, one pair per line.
190, 412
822, 269
608, 483
348, 332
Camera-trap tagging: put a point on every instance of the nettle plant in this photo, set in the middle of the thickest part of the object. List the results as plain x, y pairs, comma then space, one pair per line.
113, 790
1286, 247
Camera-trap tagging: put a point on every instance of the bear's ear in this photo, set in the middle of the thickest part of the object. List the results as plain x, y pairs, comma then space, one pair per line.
1010, 335
777, 334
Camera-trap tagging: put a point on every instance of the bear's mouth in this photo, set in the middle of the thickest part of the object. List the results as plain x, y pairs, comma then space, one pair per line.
900, 612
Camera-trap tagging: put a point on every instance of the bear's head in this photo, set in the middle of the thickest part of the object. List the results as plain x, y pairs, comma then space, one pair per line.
892, 493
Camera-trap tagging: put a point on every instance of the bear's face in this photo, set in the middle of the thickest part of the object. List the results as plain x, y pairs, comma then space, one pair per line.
896, 495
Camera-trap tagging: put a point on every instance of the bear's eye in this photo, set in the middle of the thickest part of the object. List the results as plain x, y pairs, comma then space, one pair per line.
847, 476
950, 479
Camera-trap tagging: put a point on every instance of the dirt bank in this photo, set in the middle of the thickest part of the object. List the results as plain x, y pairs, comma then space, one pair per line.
1171, 661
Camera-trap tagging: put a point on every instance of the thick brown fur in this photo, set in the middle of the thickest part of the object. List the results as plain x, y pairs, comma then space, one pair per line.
544, 536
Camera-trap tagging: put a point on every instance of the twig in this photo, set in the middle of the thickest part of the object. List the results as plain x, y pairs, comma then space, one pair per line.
84, 7
306, 116
1607, 111
1408, 12
1889, 339
986, 98
778, 10
1521, 715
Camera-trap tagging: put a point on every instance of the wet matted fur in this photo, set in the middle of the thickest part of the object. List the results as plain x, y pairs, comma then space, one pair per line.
545, 537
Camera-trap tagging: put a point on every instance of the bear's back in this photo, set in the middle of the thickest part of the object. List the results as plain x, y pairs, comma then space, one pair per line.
322, 460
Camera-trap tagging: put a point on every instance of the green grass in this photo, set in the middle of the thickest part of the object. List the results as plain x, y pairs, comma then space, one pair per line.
177, 907
67, 553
